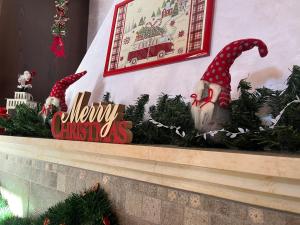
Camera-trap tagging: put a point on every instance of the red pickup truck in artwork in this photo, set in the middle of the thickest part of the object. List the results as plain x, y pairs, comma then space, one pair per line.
150, 48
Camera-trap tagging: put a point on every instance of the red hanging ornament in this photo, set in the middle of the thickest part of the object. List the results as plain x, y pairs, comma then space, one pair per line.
59, 28
58, 47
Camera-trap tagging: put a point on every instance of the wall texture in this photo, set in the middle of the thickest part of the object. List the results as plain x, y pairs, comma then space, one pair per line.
25, 28
42, 184
1, 1
97, 13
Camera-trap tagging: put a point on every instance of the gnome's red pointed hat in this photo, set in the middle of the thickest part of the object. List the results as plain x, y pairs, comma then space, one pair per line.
60, 87
218, 71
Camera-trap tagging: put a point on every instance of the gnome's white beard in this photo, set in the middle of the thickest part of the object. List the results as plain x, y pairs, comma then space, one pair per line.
52, 101
203, 112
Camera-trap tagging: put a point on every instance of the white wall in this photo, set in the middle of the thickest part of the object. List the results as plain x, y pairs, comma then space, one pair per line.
275, 22
98, 11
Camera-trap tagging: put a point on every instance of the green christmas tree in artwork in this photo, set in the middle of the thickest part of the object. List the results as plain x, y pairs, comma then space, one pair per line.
172, 2
153, 14
164, 4
176, 10
142, 22
134, 25
158, 12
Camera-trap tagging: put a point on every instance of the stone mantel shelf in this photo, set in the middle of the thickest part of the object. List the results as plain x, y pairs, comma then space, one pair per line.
271, 181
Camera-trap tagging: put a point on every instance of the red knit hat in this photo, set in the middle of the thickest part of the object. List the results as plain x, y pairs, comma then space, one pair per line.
60, 87
218, 70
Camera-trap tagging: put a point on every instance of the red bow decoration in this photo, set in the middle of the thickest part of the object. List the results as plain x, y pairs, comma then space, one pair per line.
196, 101
58, 47
106, 220
204, 101
46, 221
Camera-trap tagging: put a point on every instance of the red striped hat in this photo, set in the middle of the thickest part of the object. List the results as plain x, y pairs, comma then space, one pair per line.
59, 89
218, 71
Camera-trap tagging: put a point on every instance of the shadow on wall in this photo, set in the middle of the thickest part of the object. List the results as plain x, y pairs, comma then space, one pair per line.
261, 78
97, 13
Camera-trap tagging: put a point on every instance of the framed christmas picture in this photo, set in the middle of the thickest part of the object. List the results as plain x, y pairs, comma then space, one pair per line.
147, 33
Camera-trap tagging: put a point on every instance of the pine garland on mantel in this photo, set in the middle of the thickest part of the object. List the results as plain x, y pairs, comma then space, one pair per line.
170, 121
26, 122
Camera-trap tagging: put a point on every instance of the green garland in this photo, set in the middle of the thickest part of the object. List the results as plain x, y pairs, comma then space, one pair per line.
78, 209
26, 122
171, 123
244, 131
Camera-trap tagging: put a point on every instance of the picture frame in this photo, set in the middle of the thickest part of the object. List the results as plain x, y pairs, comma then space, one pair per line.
145, 35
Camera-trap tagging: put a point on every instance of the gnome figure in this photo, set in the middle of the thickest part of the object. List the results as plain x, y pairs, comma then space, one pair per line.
212, 93
56, 101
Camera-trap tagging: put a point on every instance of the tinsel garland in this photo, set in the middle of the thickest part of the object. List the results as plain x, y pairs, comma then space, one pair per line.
59, 27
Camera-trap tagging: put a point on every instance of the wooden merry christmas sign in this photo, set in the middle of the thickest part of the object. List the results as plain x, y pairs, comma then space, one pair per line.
100, 122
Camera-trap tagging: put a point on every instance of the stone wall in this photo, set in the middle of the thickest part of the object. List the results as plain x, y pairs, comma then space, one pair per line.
41, 185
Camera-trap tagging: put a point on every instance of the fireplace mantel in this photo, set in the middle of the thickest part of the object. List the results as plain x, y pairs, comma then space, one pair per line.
266, 180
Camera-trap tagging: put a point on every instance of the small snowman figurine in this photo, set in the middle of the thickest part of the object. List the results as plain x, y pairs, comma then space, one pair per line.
25, 80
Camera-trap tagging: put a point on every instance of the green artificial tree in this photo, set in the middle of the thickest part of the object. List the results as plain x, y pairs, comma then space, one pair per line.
88, 208
243, 110
26, 122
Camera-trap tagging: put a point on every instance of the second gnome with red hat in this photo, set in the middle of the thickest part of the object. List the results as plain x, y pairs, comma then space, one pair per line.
57, 95
212, 92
